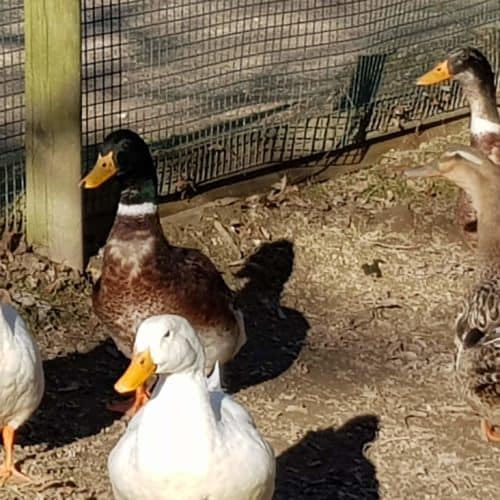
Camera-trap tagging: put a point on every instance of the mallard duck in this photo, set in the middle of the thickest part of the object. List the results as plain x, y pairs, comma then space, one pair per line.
21, 382
477, 333
470, 68
191, 441
144, 275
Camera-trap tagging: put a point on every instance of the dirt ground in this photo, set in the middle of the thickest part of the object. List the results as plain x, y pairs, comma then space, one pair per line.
350, 289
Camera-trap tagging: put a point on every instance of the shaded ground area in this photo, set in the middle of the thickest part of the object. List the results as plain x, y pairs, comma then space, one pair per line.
350, 289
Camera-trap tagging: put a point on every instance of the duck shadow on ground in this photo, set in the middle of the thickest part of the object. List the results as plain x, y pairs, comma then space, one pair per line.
78, 388
275, 334
80, 385
330, 464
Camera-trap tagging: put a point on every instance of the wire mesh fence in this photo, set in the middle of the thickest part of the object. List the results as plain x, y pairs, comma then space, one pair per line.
11, 115
220, 88
229, 87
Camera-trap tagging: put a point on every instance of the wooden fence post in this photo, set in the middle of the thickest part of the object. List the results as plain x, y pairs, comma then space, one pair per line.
53, 128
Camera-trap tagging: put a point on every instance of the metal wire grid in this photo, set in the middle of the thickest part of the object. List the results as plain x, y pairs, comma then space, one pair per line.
224, 87
11, 115
102, 86
102, 61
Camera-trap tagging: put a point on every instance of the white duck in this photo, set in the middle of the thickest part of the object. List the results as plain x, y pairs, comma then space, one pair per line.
21, 382
191, 441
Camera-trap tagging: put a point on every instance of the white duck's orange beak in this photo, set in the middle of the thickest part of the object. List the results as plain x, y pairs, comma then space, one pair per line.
141, 368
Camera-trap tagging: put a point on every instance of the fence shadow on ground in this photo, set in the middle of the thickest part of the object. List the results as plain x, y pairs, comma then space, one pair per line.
330, 464
78, 388
275, 333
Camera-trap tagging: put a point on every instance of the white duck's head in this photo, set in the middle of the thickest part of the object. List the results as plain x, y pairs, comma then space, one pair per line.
164, 344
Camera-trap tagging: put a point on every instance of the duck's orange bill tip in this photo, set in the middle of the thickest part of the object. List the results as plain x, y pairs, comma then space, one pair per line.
103, 170
141, 368
429, 170
439, 73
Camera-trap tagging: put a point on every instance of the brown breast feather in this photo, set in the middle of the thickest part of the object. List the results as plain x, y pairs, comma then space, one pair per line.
143, 275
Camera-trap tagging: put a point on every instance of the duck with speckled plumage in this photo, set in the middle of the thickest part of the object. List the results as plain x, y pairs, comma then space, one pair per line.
144, 275
477, 331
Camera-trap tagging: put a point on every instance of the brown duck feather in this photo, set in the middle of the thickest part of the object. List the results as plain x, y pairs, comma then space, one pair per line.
478, 324
489, 144
478, 341
477, 331
143, 275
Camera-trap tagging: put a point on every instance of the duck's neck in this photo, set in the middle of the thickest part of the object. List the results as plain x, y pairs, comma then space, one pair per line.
186, 403
177, 429
136, 235
481, 96
489, 239
138, 198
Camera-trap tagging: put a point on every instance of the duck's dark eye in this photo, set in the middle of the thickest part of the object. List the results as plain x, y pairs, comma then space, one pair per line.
167, 334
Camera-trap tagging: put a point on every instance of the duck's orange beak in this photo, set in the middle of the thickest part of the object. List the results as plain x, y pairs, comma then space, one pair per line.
104, 169
141, 368
439, 73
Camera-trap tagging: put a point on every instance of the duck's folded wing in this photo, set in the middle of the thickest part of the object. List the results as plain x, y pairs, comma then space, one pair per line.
479, 322
231, 410
225, 407
485, 378
198, 268
10, 373
16, 360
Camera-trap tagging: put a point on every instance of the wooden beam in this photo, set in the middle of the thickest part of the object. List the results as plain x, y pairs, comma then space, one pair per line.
53, 128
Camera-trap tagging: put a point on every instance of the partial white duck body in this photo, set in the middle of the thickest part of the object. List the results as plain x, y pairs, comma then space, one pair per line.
191, 441
21, 379
21, 373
